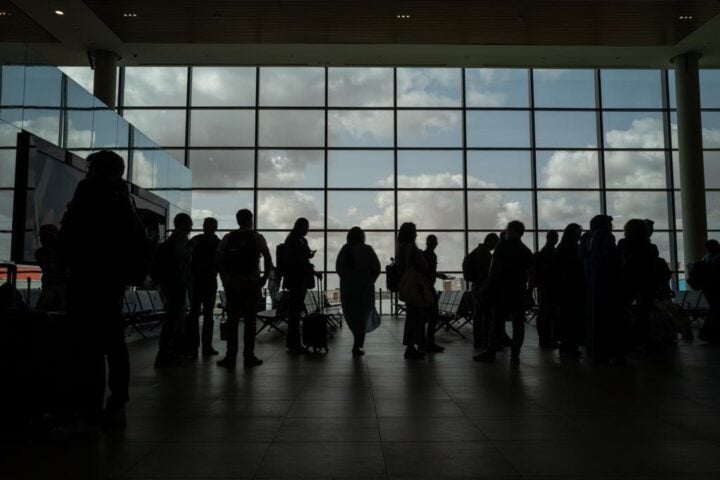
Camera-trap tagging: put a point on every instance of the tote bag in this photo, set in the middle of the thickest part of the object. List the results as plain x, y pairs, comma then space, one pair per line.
373, 321
414, 288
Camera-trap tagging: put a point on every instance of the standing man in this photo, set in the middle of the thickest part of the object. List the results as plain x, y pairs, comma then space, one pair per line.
546, 282
104, 247
204, 285
431, 243
508, 291
476, 266
171, 270
238, 259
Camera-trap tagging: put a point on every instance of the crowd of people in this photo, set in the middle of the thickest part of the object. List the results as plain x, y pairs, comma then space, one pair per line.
591, 291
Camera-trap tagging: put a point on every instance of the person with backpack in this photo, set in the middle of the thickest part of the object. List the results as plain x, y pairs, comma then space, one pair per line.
103, 245
475, 267
238, 260
171, 271
204, 286
298, 276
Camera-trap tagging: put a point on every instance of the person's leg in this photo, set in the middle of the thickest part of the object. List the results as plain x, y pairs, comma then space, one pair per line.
542, 322
250, 299
296, 304
174, 313
518, 326
118, 362
192, 322
477, 319
234, 311
495, 320
432, 314
209, 296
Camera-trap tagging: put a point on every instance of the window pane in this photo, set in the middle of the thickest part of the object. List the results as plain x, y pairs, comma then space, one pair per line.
712, 170
10, 126
498, 169
430, 210
164, 127
223, 86
78, 97
557, 209
79, 128
5, 246
360, 169
281, 209
711, 129
290, 168
292, 128
43, 123
430, 169
13, 85
450, 251
564, 88
360, 87
82, 76
496, 87
626, 205
6, 209
429, 87
222, 128
491, 210
565, 129
713, 211
222, 168
110, 131
429, 128
633, 130
369, 210
222, 205
292, 87
635, 169
7, 168
710, 88
155, 86
567, 169
498, 129
631, 88
42, 86
360, 128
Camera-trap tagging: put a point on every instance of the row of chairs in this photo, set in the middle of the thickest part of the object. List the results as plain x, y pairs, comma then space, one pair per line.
143, 307
455, 310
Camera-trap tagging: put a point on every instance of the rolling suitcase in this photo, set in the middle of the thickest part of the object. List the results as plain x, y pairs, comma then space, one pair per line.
314, 326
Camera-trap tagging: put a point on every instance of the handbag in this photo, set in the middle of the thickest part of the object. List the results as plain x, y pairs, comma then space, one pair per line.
414, 288
373, 320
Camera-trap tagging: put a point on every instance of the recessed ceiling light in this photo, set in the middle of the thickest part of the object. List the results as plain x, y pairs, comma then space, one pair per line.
129, 15
4, 14
685, 17
402, 16
59, 12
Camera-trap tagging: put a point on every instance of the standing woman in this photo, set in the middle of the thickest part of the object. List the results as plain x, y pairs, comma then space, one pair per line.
410, 257
358, 267
571, 282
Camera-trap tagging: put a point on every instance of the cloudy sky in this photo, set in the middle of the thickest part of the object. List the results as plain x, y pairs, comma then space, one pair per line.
428, 125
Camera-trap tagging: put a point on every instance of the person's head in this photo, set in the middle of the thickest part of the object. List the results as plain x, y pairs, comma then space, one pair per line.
515, 229
502, 235
551, 238
407, 233
572, 233
355, 236
105, 163
431, 242
48, 235
712, 246
491, 240
635, 229
183, 223
650, 226
210, 225
601, 222
244, 218
301, 227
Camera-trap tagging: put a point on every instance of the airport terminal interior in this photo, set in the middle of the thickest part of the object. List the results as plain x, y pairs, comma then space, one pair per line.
460, 117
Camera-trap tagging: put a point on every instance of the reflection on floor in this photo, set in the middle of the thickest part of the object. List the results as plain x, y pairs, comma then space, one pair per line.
385, 417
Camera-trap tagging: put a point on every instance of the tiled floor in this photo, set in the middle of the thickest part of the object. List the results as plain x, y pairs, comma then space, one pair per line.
384, 417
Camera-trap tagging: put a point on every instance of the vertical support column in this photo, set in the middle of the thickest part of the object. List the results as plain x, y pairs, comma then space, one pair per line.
692, 174
105, 76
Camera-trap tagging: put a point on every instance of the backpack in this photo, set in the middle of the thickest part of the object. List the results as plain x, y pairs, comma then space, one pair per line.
470, 267
281, 263
392, 276
242, 255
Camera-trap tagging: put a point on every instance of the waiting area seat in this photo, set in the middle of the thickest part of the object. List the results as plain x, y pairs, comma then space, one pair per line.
454, 310
143, 307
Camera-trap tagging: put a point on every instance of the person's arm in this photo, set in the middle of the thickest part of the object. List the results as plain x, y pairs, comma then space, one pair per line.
374, 264
267, 259
219, 254
340, 261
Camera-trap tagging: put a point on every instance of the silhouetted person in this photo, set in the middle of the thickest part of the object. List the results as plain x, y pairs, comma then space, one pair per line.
54, 273
605, 317
570, 279
508, 291
710, 331
171, 269
476, 266
299, 276
99, 242
431, 243
238, 258
358, 267
546, 282
410, 257
204, 285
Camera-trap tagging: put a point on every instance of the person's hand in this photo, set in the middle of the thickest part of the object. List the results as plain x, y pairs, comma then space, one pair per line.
444, 277
318, 275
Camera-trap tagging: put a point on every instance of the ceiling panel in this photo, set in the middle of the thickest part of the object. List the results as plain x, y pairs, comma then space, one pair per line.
16, 26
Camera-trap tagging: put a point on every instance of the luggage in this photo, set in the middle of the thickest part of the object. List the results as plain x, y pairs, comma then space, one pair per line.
314, 326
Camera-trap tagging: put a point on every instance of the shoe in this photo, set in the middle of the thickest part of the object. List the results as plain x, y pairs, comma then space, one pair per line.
209, 351
357, 352
114, 419
434, 348
412, 353
485, 357
249, 362
515, 360
226, 362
